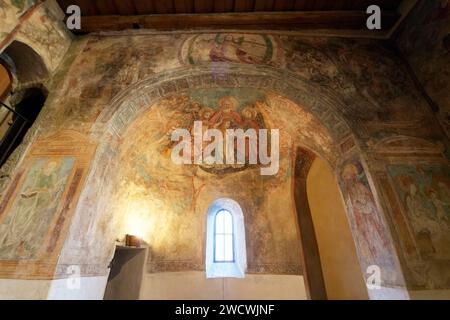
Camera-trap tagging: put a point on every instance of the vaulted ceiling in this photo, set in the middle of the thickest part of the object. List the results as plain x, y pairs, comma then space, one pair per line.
293, 15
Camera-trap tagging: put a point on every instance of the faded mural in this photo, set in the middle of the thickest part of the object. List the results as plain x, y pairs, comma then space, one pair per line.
173, 199
381, 100
232, 47
37, 24
37, 206
372, 237
423, 193
425, 42
10, 12
23, 229
221, 110
363, 81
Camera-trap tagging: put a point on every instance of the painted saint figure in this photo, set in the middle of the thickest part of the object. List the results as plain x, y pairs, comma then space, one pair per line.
33, 209
374, 244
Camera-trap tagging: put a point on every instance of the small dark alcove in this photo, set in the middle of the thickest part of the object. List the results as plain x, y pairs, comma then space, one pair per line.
26, 112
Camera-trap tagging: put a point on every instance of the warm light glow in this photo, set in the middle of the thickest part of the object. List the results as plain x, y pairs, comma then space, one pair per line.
137, 219
135, 227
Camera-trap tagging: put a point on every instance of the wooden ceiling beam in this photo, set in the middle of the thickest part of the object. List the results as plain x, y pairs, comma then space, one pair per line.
351, 20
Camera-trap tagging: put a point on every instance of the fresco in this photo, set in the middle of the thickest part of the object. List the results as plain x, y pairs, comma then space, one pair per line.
20, 5
171, 201
23, 230
367, 76
424, 193
44, 32
225, 109
379, 99
362, 79
232, 47
424, 40
105, 67
10, 12
371, 235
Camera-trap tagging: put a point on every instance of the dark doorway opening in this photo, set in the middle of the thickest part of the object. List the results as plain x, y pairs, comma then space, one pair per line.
22, 118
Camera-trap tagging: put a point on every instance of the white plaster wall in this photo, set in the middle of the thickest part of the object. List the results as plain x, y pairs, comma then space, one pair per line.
14, 289
91, 288
386, 293
194, 285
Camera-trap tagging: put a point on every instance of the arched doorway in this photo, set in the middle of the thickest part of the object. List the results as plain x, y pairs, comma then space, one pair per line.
341, 270
332, 270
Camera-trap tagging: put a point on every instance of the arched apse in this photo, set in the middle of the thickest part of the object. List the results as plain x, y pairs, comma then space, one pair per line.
137, 119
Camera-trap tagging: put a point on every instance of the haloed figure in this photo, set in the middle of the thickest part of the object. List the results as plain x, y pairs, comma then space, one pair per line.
35, 201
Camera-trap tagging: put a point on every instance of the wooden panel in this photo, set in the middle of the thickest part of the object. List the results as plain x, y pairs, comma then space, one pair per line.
320, 14
203, 6
65, 3
362, 4
389, 4
351, 20
164, 7
87, 7
244, 5
145, 6
223, 6
384, 4
300, 5
284, 5
184, 6
125, 7
322, 5
309, 5
106, 7
264, 5
340, 5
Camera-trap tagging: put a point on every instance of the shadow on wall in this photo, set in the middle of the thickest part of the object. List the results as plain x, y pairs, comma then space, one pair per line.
15, 125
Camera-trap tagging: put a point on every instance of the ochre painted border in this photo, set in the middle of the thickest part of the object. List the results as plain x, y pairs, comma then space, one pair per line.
62, 144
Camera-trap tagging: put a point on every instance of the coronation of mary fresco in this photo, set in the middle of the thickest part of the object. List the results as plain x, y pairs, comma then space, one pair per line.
101, 149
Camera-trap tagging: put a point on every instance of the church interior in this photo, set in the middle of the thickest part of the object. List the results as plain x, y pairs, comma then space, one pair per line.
337, 189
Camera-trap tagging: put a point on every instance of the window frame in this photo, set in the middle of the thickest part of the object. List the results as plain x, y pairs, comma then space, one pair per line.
224, 234
232, 269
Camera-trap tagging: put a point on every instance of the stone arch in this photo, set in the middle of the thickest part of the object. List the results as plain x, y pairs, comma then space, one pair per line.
323, 104
126, 107
28, 65
29, 72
